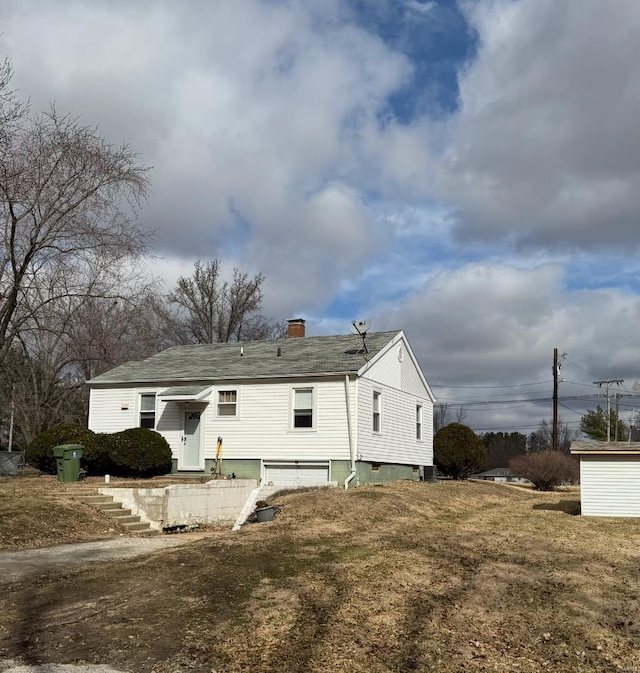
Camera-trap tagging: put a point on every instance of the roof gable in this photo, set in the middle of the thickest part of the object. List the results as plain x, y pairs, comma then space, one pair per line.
303, 356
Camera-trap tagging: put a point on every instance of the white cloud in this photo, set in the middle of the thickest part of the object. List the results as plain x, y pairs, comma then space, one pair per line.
255, 111
544, 149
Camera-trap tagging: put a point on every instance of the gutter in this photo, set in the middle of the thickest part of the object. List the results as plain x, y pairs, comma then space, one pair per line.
352, 453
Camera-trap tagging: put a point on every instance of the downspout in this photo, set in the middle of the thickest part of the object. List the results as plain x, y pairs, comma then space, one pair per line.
352, 448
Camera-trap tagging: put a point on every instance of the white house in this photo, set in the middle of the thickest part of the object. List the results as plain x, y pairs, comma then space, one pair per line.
609, 478
296, 410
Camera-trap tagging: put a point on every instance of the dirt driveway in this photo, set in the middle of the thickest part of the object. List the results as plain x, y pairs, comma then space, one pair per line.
16, 566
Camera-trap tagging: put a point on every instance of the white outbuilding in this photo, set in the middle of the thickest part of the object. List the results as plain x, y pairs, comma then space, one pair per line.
609, 478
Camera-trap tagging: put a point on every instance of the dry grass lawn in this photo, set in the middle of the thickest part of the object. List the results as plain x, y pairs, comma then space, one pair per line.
443, 577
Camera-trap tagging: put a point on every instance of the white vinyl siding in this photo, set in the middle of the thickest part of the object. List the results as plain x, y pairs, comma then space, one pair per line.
397, 443
396, 375
610, 485
266, 430
112, 409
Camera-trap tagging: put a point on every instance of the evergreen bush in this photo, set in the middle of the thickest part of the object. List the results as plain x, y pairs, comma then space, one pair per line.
458, 451
139, 452
95, 457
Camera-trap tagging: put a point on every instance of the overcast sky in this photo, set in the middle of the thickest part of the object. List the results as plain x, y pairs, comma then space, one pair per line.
466, 171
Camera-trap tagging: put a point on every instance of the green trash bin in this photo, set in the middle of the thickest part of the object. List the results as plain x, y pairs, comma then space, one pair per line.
68, 461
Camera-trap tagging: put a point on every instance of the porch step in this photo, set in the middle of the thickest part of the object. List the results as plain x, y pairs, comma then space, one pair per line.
115, 511
94, 499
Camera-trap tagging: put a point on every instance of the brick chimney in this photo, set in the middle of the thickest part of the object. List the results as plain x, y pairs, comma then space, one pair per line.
296, 328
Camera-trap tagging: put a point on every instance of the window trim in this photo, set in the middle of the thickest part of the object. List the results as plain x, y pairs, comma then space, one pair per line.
230, 389
419, 422
292, 409
376, 414
148, 413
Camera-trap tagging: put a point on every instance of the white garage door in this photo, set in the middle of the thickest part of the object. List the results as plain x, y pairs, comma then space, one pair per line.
296, 475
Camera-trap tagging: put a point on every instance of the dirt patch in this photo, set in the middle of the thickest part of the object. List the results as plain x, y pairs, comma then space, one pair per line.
406, 577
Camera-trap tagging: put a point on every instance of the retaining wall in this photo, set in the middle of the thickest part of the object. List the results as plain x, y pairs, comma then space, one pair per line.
216, 502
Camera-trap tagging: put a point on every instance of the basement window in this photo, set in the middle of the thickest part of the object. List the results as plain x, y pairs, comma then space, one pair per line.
375, 467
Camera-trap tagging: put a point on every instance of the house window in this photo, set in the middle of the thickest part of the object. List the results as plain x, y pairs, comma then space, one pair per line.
227, 403
375, 467
418, 421
148, 410
377, 403
303, 408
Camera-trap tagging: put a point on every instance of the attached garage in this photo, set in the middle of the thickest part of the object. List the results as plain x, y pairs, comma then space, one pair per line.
296, 474
609, 478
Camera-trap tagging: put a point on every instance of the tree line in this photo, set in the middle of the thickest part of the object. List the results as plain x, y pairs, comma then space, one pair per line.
75, 296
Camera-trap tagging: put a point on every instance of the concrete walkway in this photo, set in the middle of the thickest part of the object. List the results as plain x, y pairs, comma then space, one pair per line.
10, 666
16, 566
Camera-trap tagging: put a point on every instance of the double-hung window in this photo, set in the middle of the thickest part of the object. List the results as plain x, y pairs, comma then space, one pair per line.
377, 411
418, 421
303, 408
227, 403
148, 410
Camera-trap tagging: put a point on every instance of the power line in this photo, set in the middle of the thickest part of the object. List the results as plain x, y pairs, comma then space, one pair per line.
515, 385
564, 406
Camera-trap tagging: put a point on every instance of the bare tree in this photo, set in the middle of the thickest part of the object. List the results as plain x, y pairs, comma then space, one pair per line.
541, 439
442, 413
68, 241
67, 199
209, 309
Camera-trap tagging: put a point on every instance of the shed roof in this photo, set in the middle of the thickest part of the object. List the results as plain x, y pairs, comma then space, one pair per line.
302, 356
605, 448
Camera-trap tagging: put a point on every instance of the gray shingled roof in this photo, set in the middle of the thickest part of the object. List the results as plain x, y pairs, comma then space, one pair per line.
606, 447
206, 362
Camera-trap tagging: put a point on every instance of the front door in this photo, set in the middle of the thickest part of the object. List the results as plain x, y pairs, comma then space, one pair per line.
191, 459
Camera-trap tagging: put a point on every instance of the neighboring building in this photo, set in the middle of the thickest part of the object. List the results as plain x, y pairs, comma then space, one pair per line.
297, 410
503, 474
609, 478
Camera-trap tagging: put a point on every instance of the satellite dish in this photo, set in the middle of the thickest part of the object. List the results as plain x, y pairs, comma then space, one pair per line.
360, 327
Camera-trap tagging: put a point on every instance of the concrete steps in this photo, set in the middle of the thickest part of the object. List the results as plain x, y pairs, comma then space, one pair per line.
115, 511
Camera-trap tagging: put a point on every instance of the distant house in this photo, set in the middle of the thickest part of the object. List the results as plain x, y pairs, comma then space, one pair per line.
298, 410
503, 474
609, 478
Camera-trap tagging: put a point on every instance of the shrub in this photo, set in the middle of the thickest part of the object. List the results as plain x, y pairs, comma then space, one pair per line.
458, 451
139, 452
39, 453
547, 469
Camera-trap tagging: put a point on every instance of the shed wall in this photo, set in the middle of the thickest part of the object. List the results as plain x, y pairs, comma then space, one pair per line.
610, 485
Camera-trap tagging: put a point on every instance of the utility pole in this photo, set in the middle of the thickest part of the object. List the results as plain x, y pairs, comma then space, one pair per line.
615, 433
13, 389
556, 374
608, 383
554, 426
